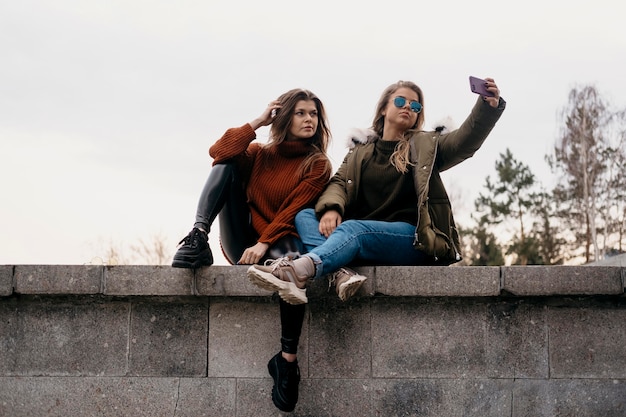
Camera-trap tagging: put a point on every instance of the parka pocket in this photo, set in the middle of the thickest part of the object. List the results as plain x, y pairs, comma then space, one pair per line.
433, 241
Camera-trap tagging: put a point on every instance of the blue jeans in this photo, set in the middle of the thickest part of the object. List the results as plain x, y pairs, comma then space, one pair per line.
370, 241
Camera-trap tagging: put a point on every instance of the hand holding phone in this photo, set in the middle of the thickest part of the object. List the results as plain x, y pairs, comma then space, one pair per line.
479, 86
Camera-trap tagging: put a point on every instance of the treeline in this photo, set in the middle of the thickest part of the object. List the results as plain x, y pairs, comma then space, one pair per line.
582, 219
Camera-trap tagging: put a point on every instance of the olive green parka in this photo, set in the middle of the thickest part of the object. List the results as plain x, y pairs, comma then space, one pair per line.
431, 153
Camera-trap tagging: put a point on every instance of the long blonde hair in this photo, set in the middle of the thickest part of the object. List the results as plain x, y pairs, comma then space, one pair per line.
400, 158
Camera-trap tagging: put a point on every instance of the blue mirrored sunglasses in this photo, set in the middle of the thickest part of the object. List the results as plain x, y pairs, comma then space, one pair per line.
400, 102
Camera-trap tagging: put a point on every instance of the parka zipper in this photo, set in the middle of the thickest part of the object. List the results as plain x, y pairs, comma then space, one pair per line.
421, 199
416, 242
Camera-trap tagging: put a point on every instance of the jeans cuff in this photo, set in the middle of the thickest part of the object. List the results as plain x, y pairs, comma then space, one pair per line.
317, 261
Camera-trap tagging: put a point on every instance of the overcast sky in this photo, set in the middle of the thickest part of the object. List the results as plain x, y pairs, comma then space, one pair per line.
108, 108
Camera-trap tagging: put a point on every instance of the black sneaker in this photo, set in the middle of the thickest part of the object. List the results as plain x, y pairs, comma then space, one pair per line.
286, 381
194, 251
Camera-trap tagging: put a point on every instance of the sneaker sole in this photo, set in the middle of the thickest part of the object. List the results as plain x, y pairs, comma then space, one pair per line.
288, 291
350, 287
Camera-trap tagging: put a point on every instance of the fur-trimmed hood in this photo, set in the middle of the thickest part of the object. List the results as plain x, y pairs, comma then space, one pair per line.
358, 136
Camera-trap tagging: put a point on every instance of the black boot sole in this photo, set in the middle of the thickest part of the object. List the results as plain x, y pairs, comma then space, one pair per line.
193, 263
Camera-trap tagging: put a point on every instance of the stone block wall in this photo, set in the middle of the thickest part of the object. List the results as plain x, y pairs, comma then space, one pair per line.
416, 341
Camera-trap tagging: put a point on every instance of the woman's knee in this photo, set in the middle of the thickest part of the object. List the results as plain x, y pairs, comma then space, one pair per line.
305, 220
351, 227
307, 226
223, 172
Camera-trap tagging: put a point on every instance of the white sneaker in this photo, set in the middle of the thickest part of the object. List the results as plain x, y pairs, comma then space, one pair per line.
347, 282
287, 277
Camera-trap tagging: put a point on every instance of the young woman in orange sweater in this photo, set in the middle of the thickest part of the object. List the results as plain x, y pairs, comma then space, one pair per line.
257, 190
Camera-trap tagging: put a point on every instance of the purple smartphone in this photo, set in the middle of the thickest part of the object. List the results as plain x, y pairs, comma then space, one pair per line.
477, 85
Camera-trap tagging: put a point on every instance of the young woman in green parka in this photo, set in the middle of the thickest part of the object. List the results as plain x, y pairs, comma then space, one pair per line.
386, 204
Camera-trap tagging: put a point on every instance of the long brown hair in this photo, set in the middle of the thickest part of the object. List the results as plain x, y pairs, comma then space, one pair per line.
400, 158
282, 123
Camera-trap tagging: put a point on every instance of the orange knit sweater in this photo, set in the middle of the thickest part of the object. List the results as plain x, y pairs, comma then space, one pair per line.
274, 188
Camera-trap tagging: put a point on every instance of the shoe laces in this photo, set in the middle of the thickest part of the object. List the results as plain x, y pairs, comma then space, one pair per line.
192, 237
184, 241
332, 278
277, 263
331, 281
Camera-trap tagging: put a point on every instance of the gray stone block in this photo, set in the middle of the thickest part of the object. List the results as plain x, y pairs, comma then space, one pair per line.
227, 280
6, 280
340, 338
588, 342
433, 338
563, 398
169, 338
207, 397
233, 281
562, 280
441, 397
88, 397
318, 397
63, 339
58, 279
254, 399
148, 280
244, 334
433, 281
335, 397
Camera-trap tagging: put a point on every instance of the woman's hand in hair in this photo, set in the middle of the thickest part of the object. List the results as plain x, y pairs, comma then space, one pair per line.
267, 116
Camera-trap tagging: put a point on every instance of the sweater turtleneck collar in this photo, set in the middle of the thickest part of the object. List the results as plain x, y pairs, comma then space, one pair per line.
294, 148
386, 146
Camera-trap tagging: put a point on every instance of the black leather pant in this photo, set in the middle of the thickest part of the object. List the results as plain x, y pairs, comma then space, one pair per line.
224, 194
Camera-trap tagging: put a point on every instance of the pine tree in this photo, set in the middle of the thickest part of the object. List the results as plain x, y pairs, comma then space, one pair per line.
508, 202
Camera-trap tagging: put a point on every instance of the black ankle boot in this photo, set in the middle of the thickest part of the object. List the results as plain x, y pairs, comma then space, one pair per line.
194, 251
286, 382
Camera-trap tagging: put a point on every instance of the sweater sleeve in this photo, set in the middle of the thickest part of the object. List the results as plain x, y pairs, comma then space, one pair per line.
303, 196
234, 144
